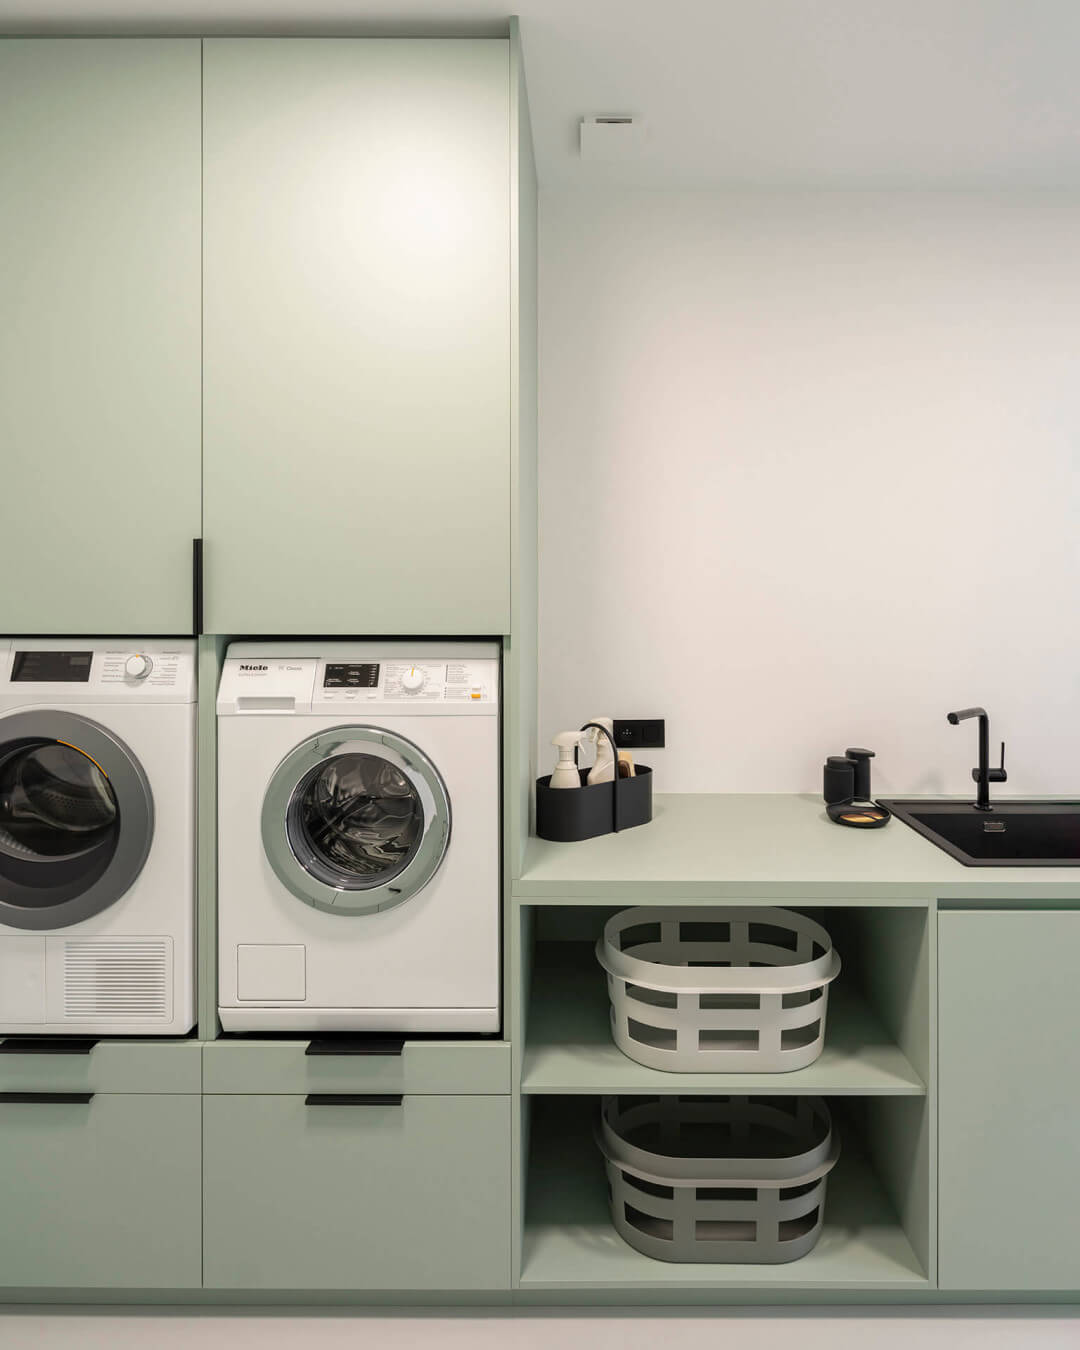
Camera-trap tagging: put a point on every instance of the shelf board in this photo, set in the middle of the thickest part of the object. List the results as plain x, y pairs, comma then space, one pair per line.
569, 1049
569, 1241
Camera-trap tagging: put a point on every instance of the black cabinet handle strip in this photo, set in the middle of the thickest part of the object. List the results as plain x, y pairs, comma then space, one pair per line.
353, 1099
197, 587
356, 1045
54, 1098
47, 1045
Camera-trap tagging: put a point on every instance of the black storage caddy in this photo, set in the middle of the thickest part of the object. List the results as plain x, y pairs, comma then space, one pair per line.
567, 814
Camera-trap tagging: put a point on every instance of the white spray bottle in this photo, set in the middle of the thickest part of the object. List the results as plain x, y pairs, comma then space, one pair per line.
603, 771
565, 774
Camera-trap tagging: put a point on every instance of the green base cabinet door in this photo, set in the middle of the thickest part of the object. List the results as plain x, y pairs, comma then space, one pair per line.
100, 380
357, 335
101, 1193
347, 1193
1009, 1076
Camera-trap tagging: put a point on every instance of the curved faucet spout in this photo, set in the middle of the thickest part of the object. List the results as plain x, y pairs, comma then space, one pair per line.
957, 717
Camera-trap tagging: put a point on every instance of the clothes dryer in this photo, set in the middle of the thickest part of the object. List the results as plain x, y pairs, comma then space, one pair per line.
97, 837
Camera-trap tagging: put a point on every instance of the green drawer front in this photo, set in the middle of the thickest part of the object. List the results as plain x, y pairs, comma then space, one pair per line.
111, 1066
409, 1196
102, 1193
438, 1067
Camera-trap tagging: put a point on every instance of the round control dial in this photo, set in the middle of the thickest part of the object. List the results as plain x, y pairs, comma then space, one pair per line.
138, 666
414, 680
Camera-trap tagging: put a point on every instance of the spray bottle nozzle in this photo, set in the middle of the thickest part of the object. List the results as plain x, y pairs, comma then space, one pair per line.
566, 774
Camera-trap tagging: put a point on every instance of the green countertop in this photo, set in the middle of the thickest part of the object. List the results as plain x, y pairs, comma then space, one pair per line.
768, 846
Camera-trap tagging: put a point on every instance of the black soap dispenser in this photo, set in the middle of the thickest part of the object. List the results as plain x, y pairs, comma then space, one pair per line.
861, 760
839, 780
847, 791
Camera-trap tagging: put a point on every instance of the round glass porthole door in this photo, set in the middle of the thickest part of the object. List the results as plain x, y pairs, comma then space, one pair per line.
76, 819
356, 819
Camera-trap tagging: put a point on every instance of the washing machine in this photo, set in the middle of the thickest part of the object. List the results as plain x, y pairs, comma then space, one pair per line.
97, 837
358, 837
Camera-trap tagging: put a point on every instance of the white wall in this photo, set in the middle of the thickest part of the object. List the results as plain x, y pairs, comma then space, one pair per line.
809, 478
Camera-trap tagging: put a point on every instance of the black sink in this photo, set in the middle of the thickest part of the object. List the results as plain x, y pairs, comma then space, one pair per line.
1011, 834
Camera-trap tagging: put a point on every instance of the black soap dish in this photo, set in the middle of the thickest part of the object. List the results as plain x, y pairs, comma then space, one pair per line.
859, 815
566, 815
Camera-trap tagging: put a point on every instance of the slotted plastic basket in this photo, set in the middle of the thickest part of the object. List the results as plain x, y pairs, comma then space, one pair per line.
719, 1179
718, 990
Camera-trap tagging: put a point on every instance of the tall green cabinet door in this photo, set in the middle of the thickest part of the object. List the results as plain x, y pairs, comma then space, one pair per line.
357, 335
1009, 1087
99, 333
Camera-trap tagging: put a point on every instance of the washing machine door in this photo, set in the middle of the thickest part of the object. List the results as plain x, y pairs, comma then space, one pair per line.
76, 819
356, 819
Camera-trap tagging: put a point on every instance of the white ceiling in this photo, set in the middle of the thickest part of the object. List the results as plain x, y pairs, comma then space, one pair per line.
967, 94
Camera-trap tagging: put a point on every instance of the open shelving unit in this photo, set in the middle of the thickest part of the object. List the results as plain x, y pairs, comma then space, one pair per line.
876, 1071
569, 1241
569, 1048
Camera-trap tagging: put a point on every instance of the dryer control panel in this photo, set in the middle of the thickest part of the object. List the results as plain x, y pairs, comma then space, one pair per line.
91, 670
349, 681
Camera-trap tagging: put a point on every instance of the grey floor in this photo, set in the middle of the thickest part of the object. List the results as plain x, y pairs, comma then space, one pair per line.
989, 1329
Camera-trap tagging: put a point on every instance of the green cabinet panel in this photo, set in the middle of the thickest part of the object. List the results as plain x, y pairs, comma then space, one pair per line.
98, 1194
1009, 1167
384, 1197
111, 1066
436, 1067
100, 340
357, 335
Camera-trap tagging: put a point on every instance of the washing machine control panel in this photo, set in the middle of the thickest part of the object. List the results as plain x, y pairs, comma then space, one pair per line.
404, 681
349, 675
269, 684
88, 670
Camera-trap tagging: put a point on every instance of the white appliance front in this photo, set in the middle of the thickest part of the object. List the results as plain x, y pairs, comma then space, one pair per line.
358, 853
97, 837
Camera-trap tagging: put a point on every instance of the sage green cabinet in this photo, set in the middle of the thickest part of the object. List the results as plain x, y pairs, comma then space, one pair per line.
281, 1068
300, 1193
100, 1193
357, 335
1009, 1090
111, 1067
100, 336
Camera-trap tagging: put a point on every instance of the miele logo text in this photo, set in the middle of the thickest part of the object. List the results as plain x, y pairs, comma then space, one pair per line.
244, 667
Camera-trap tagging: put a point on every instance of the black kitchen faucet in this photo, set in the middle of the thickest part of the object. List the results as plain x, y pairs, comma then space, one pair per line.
984, 775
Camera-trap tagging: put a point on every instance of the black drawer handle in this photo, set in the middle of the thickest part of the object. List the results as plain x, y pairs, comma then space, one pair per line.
47, 1045
353, 1099
197, 587
356, 1045
55, 1098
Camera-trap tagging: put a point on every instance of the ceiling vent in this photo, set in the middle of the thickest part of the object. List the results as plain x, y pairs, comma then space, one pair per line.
611, 139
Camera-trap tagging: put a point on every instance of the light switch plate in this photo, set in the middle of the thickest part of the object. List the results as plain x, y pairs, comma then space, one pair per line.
639, 734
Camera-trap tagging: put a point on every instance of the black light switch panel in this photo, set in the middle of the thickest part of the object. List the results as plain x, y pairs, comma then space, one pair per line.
640, 734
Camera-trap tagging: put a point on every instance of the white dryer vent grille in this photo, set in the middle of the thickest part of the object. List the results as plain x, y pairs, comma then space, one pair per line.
117, 977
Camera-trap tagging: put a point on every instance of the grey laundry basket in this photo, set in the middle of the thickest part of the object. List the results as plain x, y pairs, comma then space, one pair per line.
721, 1179
718, 990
